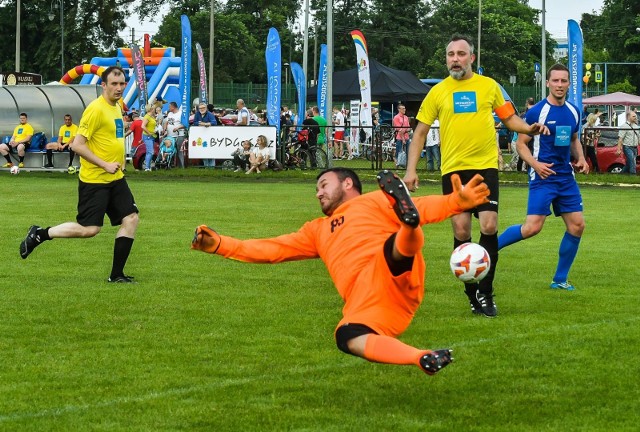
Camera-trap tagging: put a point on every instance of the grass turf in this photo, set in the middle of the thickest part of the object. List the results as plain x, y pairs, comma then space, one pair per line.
203, 343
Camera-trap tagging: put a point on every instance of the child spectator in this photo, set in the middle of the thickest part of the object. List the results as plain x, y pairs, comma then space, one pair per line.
241, 156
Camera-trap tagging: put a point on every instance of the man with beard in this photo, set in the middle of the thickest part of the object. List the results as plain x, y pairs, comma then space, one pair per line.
551, 179
380, 235
464, 103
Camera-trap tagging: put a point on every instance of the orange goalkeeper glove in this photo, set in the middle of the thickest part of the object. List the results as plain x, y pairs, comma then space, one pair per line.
472, 194
206, 240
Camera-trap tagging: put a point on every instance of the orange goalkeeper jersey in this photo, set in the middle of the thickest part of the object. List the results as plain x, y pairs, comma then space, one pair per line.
347, 241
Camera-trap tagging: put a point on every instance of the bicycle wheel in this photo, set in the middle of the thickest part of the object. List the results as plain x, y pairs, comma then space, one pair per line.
301, 159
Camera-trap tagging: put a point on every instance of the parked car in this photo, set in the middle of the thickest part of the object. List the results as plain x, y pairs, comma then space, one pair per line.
608, 160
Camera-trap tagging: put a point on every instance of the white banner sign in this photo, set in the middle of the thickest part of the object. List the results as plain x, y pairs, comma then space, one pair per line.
354, 134
218, 142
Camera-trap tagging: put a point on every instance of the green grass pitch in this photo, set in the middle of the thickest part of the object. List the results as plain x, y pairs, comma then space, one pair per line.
206, 344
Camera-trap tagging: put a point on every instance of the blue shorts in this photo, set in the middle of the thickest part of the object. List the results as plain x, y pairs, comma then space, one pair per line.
561, 194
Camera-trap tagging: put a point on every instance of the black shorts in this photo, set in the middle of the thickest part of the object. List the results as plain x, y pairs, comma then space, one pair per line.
96, 199
346, 332
490, 178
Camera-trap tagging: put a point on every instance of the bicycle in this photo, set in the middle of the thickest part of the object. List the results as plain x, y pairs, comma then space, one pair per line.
299, 154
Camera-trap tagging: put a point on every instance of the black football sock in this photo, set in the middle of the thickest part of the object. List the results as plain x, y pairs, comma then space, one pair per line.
50, 157
72, 154
42, 234
121, 249
470, 289
490, 243
21, 158
8, 158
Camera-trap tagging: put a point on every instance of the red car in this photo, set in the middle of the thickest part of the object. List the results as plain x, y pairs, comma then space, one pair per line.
608, 160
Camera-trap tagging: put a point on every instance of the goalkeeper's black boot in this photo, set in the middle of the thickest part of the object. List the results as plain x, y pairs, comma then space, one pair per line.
435, 360
397, 193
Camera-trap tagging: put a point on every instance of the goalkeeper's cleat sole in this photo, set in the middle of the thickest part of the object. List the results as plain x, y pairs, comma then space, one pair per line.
396, 192
433, 361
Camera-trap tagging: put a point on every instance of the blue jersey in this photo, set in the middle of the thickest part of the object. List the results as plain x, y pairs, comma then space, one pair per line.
562, 121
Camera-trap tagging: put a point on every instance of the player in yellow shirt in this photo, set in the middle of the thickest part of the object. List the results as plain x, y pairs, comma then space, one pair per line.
463, 103
20, 141
66, 134
380, 235
103, 188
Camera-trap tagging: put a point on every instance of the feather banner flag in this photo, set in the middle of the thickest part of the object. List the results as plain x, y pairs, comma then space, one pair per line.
273, 57
202, 72
301, 87
574, 95
140, 76
185, 70
322, 83
364, 79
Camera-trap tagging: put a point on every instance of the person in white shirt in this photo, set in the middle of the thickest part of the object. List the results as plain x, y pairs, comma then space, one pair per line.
433, 147
338, 137
242, 119
174, 129
259, 157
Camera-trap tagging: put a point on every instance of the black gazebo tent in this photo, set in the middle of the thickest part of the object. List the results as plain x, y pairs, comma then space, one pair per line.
387, 85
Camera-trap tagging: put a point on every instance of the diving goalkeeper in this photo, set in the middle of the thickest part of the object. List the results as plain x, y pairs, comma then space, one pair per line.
379, 234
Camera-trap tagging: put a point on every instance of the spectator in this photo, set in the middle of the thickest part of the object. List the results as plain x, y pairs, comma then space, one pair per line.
167, 152
66, 133
313, 128
338, 135
149, 133
628, 139
242, 119
433, 147
20, 140
159, 118
401, 127
590, 137
322, 126
135, 128
241, 156
259, 157
173, 128
205, 118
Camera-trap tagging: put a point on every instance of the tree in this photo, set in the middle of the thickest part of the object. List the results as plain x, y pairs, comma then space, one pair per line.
615, 33
91, 29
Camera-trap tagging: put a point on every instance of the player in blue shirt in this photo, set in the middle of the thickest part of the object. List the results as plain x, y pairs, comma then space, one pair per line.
551, 175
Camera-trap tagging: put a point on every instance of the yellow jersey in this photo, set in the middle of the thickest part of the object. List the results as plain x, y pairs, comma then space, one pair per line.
467, 129
102, 125
22, 131
67, 132
151, 125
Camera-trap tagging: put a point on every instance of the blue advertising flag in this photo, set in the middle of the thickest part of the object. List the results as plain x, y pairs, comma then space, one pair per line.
574, 95
323, 76
140, 77
202, 70
185, 70
273, 57
301, 87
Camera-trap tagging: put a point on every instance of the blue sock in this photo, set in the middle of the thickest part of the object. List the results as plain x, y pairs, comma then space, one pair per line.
511, 235
567, 253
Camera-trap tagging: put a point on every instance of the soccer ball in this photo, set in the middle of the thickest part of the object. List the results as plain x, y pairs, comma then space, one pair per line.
14, 170
72, 170
470, 262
